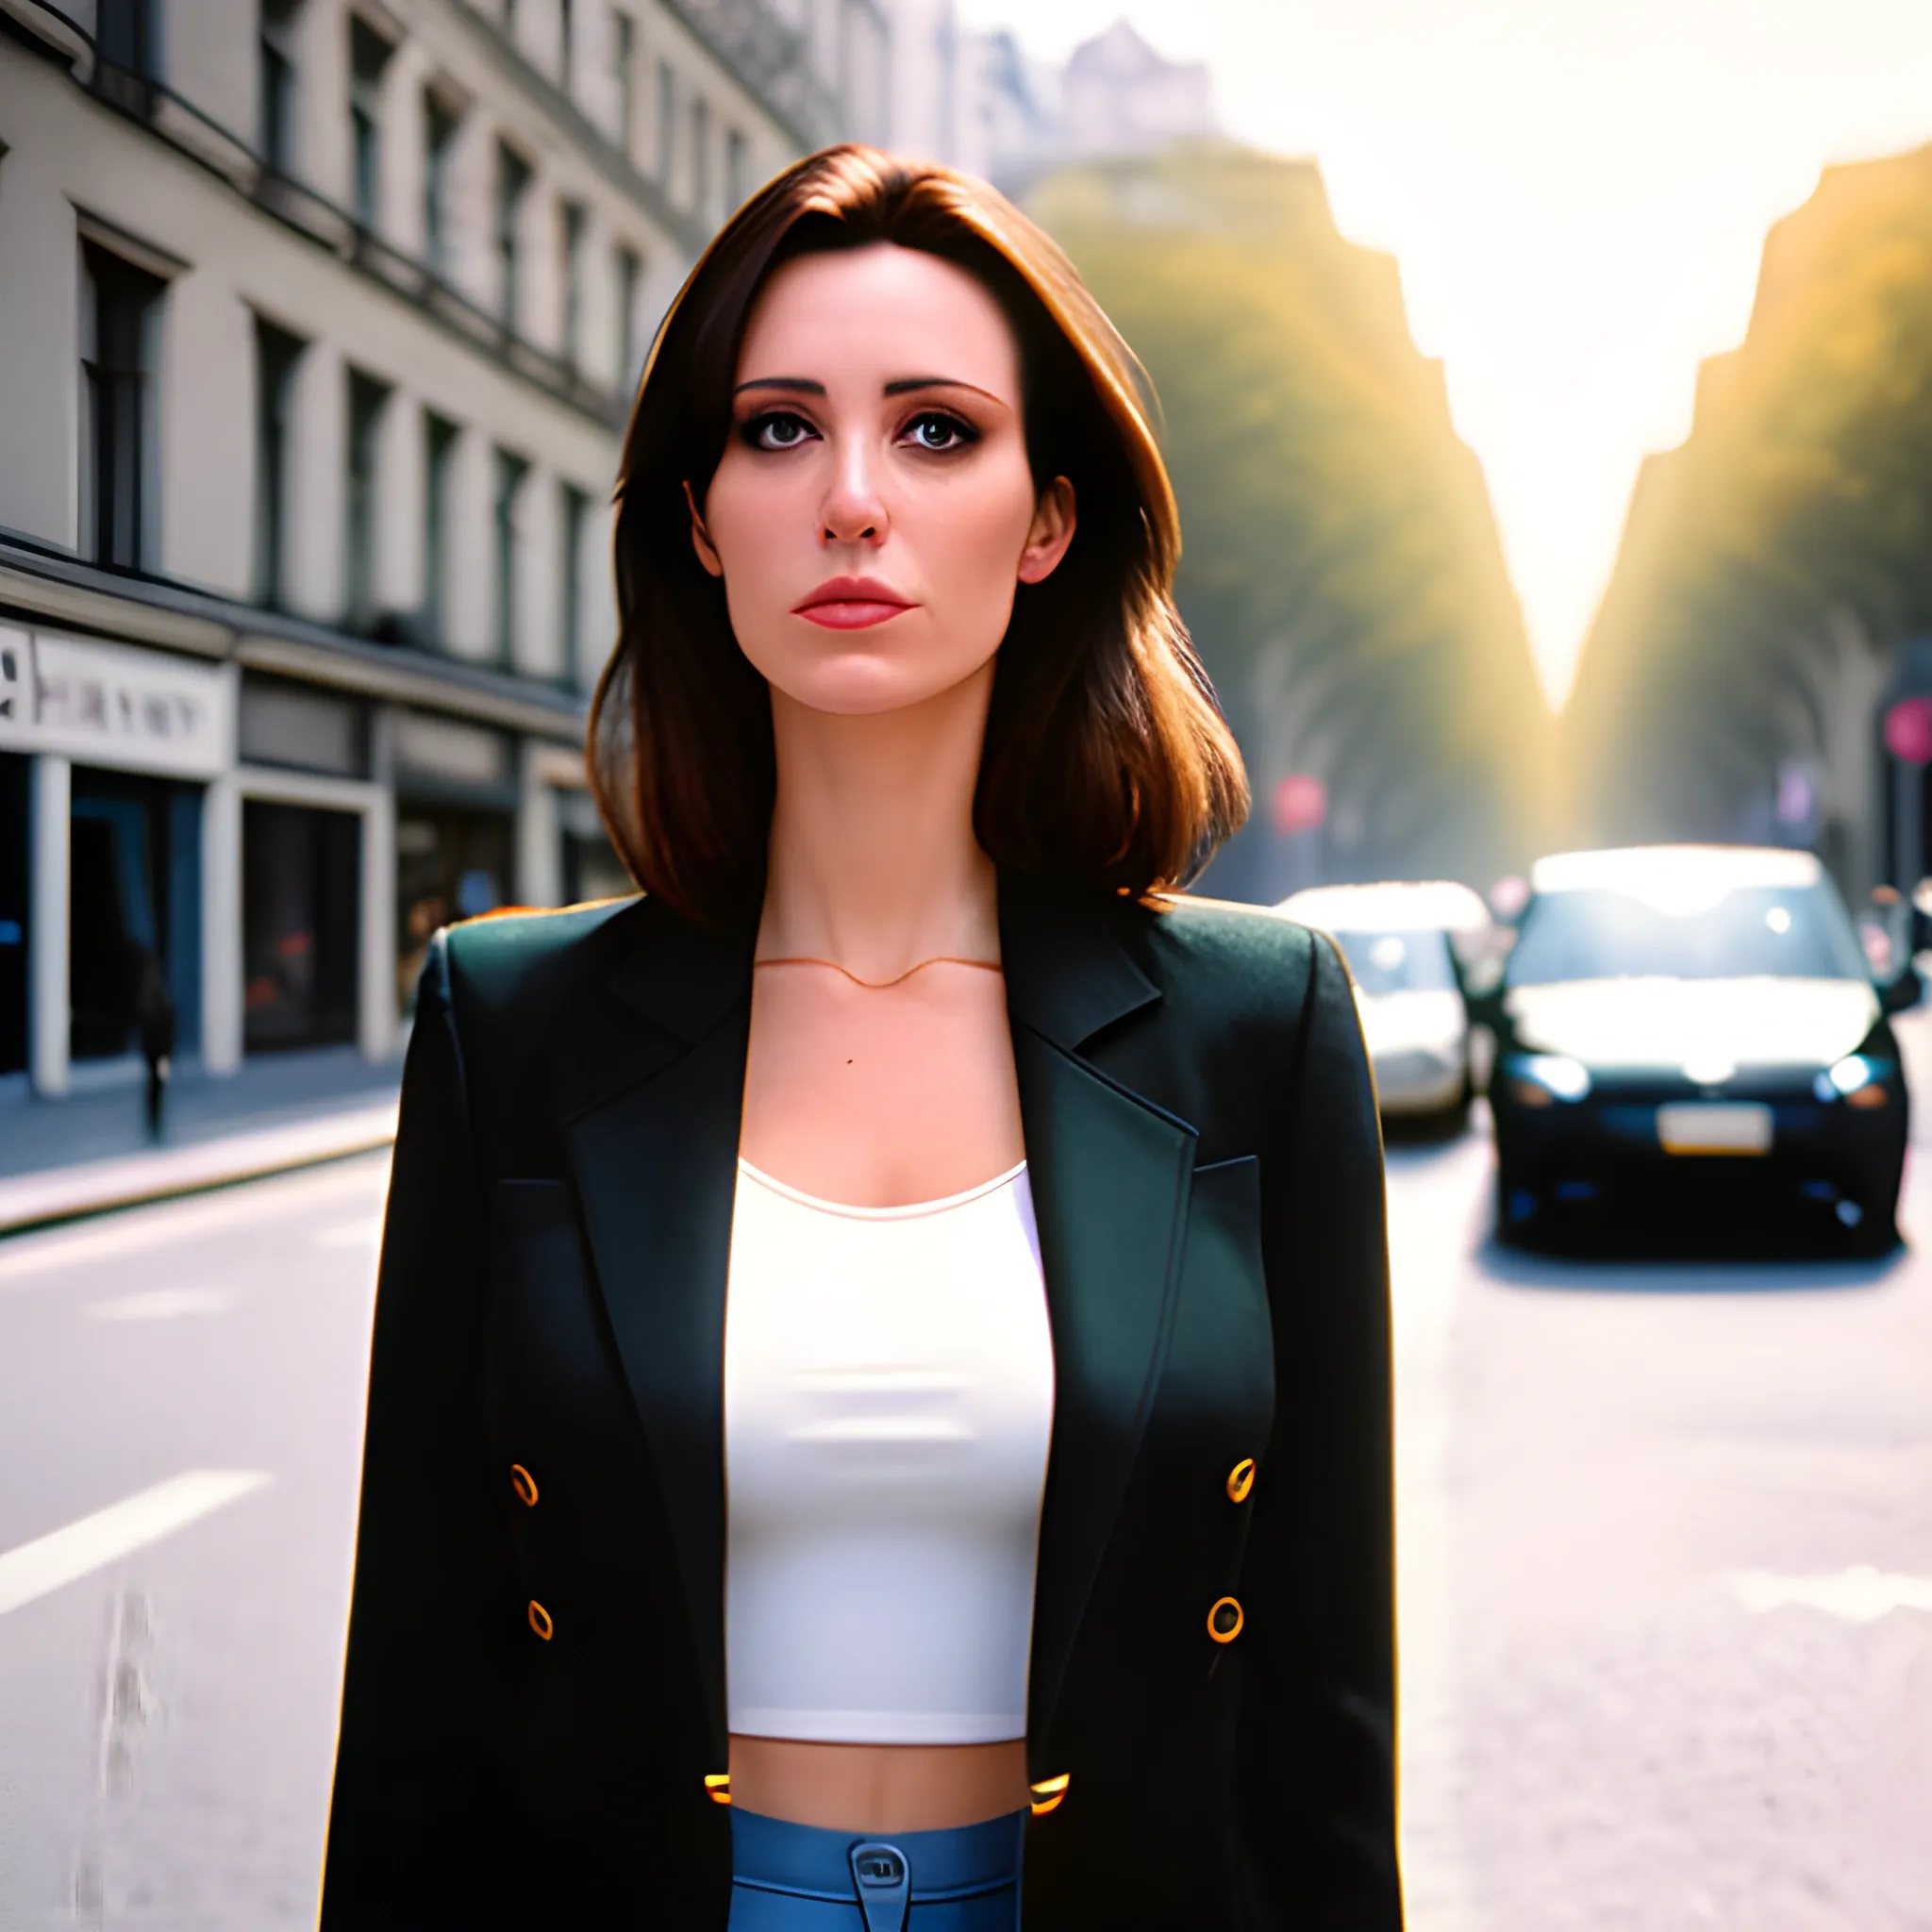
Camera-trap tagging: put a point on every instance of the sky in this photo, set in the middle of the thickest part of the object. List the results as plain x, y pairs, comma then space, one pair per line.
1576, 192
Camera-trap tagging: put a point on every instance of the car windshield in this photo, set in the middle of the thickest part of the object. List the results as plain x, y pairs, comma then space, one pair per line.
1398, 961
1780, 932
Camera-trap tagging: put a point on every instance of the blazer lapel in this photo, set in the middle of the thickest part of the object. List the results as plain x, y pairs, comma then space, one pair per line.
652, 1130
1111, 1175
654, 1156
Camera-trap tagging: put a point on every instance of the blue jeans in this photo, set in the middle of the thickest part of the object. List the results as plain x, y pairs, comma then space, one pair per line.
789, 1878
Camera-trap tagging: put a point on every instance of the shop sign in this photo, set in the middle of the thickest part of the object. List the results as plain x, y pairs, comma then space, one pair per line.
114, 704
441, 748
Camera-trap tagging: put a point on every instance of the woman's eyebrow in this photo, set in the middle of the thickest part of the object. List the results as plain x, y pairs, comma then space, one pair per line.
907, 385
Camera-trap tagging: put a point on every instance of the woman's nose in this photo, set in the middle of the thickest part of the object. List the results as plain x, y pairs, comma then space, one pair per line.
852, 511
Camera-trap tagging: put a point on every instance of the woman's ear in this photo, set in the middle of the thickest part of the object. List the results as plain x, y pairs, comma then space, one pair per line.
700, 537
1051, 531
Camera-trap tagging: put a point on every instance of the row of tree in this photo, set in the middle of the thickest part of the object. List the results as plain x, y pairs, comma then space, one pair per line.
1342, 575
1774, 565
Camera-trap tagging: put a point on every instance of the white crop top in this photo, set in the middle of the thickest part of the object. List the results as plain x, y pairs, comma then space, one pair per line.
889, 1392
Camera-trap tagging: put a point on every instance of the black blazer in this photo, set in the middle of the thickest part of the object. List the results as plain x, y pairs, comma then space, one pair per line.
535, 1689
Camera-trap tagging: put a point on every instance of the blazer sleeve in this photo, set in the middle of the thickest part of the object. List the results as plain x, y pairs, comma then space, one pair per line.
1316, 1745
415, 1837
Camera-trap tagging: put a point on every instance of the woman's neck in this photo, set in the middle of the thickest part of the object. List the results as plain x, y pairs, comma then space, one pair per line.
874, 864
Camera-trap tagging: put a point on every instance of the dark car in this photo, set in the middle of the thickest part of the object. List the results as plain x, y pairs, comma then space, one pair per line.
1689, 1042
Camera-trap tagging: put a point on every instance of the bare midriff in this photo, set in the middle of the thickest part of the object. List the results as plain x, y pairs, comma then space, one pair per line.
878, 1788
837, 1068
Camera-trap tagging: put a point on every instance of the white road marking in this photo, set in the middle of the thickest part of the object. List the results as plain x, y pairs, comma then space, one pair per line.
1858, 1596
161, 1304
65, 1555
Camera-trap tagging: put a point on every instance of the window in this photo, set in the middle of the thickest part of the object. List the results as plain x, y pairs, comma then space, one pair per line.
569, 236
368, 55
667, 121
368, 400
439, 465
127, 35
570, 567
631, 274
276, 353
701, 156
276, 109
439, 141
511, 472
737, 167
566, 46
512, 179
624, 43
120, 306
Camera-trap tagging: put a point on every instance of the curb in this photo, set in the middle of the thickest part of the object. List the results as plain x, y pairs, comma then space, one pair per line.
99, 1186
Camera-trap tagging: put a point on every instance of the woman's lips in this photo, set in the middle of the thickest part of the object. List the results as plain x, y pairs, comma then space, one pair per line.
852, 604
851, 614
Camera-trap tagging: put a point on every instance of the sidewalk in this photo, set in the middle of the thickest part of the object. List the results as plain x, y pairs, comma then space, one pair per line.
90, 1152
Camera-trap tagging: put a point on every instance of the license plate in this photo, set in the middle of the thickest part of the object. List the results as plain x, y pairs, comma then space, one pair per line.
1714, 1127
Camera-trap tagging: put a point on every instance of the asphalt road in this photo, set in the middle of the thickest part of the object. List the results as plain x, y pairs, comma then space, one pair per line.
1666, 1569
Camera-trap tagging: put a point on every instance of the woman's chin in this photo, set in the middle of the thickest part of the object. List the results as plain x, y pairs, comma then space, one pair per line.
866, 687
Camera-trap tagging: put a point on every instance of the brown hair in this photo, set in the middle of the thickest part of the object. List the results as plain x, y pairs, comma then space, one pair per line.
1106, 761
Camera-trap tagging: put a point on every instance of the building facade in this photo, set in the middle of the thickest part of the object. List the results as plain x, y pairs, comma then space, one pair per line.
1014, 118
321, 320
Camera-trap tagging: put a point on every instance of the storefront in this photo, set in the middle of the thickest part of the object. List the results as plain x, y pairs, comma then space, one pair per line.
457, 800
300, 891
269, 853
592, 869
134, 900
564, 853
313, 826
104, 864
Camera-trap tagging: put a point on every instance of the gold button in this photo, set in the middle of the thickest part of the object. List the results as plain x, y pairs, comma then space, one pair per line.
1240, 1479
1224, 1621
1049, 1794
524, 1484
540, 1620
718, 1787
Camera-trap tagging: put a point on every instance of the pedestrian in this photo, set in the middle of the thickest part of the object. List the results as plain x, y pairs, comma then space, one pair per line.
154, 1019
878, 1414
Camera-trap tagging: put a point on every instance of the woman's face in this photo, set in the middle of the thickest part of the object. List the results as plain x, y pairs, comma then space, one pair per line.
873, 509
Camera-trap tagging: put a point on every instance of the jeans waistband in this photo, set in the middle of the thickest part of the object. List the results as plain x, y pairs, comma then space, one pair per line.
806, 1860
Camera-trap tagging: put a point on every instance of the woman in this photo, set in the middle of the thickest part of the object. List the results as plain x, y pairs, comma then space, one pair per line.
881, 1357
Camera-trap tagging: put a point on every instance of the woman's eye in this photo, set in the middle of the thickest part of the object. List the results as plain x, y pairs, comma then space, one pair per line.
938, 432
776, 429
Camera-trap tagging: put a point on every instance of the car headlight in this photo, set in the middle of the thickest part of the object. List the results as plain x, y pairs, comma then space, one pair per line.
1858, 1079
1543, 1077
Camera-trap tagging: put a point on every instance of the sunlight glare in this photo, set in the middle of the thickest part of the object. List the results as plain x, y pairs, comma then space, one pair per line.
1577, 197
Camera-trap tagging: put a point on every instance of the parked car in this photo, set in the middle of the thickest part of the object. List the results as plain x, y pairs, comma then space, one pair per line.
1396, 939
1691, 1029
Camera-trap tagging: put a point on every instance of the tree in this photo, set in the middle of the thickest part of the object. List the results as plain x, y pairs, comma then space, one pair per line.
1342, 575
1773, 562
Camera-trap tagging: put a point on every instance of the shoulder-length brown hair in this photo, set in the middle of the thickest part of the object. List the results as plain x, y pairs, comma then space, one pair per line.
1106, 761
